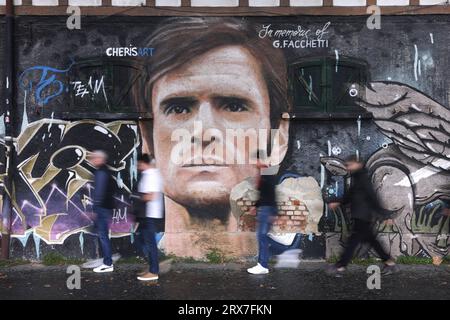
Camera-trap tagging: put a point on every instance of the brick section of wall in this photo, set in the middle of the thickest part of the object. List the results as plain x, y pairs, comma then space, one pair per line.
292, 216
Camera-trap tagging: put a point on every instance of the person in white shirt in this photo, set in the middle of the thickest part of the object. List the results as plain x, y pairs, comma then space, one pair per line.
150, 188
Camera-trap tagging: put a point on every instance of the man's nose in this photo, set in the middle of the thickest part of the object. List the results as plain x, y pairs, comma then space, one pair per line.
209, 123
207, 115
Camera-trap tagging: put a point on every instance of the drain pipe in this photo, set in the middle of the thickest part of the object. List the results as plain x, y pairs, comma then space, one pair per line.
9, 119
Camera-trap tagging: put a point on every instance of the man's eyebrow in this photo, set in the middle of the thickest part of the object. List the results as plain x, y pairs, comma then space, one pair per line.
231, 98
178, 100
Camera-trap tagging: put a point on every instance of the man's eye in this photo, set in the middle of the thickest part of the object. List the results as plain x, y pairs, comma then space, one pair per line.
235, 107
178, 109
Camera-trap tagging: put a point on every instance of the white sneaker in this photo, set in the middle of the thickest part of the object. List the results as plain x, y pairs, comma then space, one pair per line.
258, 269
104, 268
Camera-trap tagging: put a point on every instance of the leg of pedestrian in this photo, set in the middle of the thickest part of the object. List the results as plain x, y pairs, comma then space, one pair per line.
105, 243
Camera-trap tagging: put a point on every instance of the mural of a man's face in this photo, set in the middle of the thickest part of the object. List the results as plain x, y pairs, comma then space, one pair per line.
223, 89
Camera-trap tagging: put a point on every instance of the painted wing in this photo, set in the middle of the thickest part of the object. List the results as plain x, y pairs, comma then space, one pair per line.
417, 124
334, 165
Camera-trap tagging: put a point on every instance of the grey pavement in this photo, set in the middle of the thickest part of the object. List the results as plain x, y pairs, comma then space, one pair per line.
227, 281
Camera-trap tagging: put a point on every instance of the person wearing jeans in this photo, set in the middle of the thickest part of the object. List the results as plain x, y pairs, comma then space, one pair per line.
103, 204
103, 217
148, 229
265, 217
266, 211
150, 188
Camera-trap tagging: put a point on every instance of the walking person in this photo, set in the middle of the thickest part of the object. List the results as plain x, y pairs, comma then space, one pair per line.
150, 188
365, 211
103, 205
266, 211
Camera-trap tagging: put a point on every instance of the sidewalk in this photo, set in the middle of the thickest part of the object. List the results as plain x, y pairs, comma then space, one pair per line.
228, 281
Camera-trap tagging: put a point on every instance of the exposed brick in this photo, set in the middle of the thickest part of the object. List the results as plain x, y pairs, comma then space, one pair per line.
290, 213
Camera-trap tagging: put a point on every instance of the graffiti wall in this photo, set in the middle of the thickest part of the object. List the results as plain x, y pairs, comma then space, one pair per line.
202, 95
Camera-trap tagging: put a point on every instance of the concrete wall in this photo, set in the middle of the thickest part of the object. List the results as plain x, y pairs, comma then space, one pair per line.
65, 112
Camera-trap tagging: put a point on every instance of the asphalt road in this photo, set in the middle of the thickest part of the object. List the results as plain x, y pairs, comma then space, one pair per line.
230, 281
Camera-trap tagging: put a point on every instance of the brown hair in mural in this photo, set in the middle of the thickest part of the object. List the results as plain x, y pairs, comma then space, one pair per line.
218, 73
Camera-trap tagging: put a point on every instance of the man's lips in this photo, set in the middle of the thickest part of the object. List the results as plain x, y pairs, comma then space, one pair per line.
203, 165
204, 162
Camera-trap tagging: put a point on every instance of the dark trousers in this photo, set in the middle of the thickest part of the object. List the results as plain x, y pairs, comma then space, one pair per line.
363, 232
265, 217
103, 216
147, 233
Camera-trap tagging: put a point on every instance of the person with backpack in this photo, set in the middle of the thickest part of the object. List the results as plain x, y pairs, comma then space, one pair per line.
150, 191
103, 205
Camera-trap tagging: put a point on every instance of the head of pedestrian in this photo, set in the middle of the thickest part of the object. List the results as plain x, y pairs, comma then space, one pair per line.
98, 158
145, 161
354, 163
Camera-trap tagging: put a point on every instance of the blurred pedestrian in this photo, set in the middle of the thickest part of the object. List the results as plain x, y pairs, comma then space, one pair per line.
150, 189
365, 211
266, 211
103, 205
446, 208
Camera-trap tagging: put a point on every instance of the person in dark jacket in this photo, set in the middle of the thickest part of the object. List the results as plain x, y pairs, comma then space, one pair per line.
365, 211
103, 204
266, 207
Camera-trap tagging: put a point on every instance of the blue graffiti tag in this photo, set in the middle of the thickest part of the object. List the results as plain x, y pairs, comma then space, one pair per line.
47, 79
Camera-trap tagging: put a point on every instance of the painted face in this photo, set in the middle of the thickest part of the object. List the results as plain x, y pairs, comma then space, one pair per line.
221, 89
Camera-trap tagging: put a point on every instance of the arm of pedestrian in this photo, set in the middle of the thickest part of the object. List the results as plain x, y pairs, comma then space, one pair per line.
333, 205
446, 212
149, 196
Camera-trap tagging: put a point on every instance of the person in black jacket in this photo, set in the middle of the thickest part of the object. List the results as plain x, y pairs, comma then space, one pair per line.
103, 204
365, 211
266, 207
